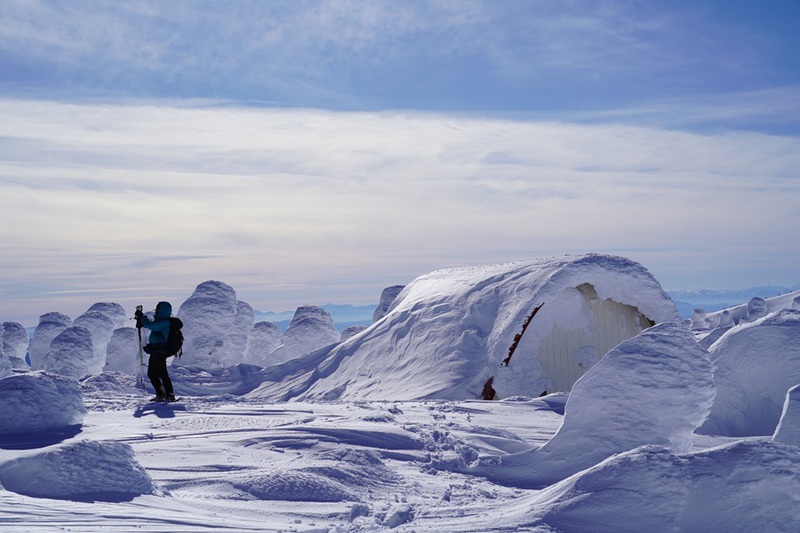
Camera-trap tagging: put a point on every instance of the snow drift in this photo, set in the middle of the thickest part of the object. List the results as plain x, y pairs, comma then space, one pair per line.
83, 471
659, 382
37, 402
756, 363
449, 331
745, 486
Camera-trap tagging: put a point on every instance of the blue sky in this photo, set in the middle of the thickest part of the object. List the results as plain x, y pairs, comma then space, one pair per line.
308, 152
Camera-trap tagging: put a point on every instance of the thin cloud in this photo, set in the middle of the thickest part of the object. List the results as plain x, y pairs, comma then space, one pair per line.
304, 196
380, 54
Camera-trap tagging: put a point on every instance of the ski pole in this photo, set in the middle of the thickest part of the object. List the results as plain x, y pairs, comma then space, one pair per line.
139, 376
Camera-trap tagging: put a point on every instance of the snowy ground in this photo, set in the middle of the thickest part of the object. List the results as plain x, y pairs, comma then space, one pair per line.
238, 465
231, 464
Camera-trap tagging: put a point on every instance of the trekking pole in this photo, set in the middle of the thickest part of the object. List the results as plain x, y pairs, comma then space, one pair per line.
139, 376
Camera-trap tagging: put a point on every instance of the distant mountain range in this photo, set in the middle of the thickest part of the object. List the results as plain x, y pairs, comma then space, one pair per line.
343, 315
716, 300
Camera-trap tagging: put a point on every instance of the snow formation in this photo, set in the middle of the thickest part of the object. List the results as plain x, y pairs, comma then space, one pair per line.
659, 382
71, 354
50, 325
788, 430
756, 363
122, 352
100, 327
15, 343
37, 402
311, 328
413, 450
264, 338
213, 321
83, 471
449, 331
113, 311
5, 363
745, 486
388, 296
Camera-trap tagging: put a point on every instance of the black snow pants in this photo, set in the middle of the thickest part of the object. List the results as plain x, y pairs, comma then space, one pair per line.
157, 372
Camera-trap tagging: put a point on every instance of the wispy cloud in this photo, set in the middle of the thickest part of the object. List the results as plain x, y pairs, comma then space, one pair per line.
171, 196
348, 54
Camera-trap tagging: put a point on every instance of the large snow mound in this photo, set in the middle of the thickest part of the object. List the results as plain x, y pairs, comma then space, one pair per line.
745, 486
49, 327
38, 402
311, 328
15, 340
655, 388
83, 471
213, 322
756, 363
71, 354
122, 353
449, 331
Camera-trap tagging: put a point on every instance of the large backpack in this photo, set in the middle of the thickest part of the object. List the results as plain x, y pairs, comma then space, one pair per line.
175, 337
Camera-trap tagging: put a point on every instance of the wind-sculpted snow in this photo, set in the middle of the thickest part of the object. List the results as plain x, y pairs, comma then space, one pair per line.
655, 388
293, 486
788, 430
122, 352
752, 310
210, 317
239, 333
112, 310
83, 471
101, 328
449, 331
50, 325
5, 365
311, 328
15, 343
745, 486
227, 463
388, 296
264, 337
37, 402
756, 363
71, 354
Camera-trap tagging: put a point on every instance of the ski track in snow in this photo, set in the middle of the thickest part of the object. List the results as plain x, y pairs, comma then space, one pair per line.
240, 465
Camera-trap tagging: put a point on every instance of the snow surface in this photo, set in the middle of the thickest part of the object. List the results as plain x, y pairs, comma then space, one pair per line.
365, 444
756, 364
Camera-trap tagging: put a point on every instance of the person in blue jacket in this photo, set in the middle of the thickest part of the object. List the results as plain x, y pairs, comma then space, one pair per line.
157, 348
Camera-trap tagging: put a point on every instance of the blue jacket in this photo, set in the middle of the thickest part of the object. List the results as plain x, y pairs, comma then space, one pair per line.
159, 326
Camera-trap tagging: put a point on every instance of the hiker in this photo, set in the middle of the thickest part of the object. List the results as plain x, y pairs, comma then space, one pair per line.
157, 348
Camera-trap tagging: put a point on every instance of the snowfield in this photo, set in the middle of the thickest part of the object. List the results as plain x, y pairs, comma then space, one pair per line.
385, 430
